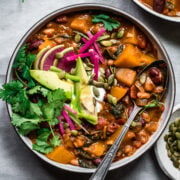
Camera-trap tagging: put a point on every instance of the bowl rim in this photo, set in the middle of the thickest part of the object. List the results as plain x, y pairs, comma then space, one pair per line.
105, 8
162, 16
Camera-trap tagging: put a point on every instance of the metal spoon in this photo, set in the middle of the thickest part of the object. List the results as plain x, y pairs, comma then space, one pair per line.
103, 167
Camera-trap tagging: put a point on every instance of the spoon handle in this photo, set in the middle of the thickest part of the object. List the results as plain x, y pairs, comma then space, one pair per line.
103, 167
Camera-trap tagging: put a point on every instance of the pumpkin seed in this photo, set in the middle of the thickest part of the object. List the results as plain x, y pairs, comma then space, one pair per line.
111, 99
103, 37
62, 74
106, 86
77, 38
74, 132
115, 82
87, 68
110, 79
98, 84
114, 41
113, 35
102, 71
96, 91
142, 78
120, 33
100, 79
73, 70
106, 43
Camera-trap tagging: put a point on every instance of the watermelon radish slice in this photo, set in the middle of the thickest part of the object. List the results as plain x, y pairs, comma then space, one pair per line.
66, 65
49, 57
39, 57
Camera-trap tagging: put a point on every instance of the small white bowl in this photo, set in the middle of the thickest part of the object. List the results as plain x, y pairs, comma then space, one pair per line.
161, 152
169, 18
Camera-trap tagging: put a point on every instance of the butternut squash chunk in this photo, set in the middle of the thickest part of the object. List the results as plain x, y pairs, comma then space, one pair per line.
96, 149
118, 92
126, 76
46, 43
61, 154
132, 57
131, 37
81, 23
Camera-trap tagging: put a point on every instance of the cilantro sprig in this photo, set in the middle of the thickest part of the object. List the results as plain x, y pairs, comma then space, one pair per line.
22, 64
43, 144
109, 23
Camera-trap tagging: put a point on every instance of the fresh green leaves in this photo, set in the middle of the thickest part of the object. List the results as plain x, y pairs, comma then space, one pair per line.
38, 90
23, 62
10, 90
25, 125
109, 23
56, 100
43, 144
15, 94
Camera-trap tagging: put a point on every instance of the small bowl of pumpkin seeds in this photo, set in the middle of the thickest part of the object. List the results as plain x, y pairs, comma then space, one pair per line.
167, 148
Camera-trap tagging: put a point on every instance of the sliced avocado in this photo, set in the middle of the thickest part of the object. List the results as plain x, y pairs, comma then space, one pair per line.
84, 101
51, 80
47, 54
39, 57
81, 72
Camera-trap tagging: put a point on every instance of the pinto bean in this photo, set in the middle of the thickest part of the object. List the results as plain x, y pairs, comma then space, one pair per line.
49, 32
143, 95
158, 89
143, 136
149, 85
128, 149
112, 127
133, 92
62, 19
146, 117
158, 5
142, 42
151, 127
137, 144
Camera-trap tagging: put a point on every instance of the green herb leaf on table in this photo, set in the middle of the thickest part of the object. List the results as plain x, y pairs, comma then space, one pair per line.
109, 23
23, 62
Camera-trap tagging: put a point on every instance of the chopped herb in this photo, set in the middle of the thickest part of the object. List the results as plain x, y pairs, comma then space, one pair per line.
109, 23
38, 89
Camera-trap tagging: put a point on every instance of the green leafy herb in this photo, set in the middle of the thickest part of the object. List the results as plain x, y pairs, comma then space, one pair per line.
15, 94
42, 144
154, 103
109, 23
25, 125
56, 100
23, 62
38, 89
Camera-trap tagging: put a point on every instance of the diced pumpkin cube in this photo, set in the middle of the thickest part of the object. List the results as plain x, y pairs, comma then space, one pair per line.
81, 23
118, 92
61, 154
131, 37
96, 149
132, 57
126, 76
46, 43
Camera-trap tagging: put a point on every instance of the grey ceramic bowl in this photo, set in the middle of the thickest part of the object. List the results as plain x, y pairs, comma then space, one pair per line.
161, 55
